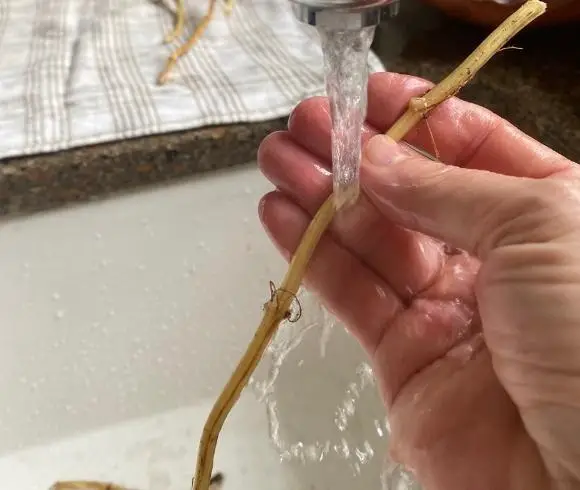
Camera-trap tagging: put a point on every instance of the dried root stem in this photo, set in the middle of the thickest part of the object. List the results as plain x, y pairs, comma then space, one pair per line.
194, 38
277, 308
179, 22
215, 483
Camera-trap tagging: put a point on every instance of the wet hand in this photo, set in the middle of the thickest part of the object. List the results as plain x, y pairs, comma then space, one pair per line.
462, 282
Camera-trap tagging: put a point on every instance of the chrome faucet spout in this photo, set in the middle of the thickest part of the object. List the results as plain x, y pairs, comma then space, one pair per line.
342, 14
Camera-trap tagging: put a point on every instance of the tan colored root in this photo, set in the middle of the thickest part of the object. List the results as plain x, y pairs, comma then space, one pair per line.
215, 484
179, 22
177, 31
278, 307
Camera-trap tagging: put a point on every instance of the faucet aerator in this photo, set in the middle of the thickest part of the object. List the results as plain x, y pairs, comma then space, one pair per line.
343, 14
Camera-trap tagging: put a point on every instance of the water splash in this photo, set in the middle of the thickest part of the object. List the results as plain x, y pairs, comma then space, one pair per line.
395, 477
349, 428
332, 440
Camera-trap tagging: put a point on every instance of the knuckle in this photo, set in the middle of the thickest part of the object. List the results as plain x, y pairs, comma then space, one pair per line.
269, 146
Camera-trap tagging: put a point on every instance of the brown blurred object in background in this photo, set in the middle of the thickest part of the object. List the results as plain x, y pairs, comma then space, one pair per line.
492, 12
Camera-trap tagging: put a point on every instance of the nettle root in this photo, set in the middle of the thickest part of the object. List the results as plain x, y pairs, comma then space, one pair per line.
198, 32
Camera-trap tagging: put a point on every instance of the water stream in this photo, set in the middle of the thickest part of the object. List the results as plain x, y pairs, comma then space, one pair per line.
346, 70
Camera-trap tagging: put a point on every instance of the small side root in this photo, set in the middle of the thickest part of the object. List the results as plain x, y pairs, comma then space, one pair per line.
179, 22
294, 313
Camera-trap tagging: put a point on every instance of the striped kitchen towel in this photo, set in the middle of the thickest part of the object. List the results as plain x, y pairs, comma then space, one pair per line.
77, 72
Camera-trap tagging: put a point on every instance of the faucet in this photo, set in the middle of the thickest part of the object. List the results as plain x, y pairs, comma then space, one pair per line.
343, 14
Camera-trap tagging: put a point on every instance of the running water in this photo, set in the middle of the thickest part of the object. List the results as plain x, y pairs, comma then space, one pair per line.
342, 440
345, 63
326, 417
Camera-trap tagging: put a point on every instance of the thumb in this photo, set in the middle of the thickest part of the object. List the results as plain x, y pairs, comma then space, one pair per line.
466, 208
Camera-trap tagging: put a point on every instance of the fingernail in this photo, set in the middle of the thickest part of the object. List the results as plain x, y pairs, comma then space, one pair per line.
382, 150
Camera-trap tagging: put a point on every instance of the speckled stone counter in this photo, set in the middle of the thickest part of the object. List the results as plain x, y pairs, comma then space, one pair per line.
89, 173
535, 87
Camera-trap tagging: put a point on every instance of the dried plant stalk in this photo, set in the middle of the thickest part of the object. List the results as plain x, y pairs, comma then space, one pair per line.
215, 483
179, 22
194, 38
277, 308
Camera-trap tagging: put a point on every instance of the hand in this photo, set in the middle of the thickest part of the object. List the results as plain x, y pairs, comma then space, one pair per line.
461, 281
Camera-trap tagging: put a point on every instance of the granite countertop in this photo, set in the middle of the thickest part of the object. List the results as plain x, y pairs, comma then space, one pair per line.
536, 88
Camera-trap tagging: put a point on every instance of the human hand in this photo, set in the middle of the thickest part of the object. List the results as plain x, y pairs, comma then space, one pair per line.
477, 352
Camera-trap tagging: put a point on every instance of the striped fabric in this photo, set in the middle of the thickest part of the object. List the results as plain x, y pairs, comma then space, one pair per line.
77, 72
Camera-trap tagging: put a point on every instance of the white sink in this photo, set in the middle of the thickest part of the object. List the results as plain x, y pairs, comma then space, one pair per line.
120, 322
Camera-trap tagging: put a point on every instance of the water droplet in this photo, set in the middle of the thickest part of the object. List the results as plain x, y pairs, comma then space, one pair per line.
23, 380
98, 236
112, 313
190, 271
342, 449
164, 327
55, 296
379, 428
26, 272
141, 267
59, 314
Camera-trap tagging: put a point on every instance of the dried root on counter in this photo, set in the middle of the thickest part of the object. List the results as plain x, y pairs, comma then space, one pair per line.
215, 483
178, 29
279, 307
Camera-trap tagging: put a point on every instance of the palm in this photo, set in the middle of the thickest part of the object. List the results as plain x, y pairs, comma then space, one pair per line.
458, 420
407, 297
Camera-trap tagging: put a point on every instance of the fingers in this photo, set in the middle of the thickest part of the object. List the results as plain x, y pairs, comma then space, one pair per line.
310, 126
407, 261
349, 289
461, 133
470, 209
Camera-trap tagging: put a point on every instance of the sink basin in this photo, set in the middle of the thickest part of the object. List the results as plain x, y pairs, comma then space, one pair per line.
122, 319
